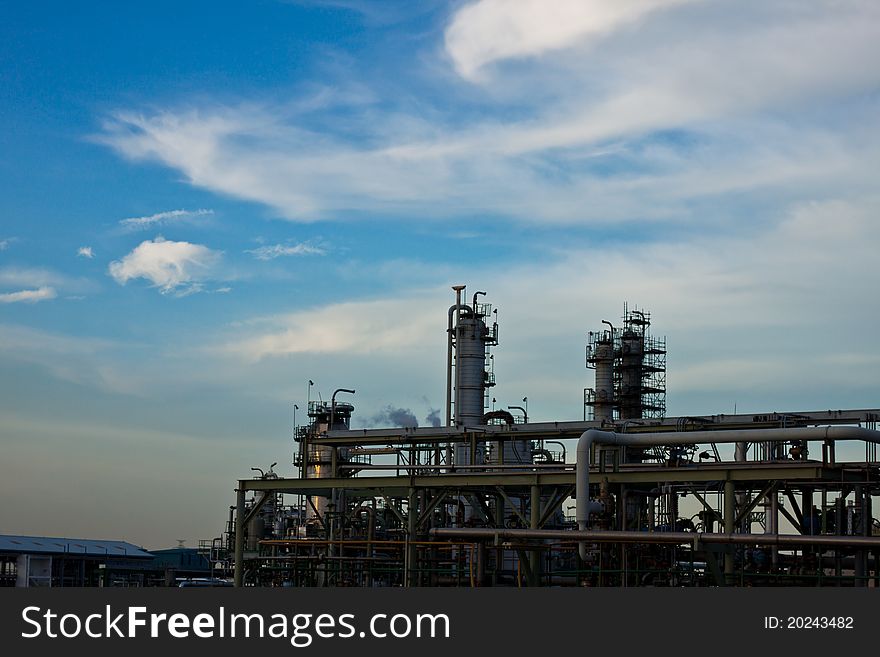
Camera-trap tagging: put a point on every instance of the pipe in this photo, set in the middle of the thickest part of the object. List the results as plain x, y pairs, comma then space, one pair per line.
595, 436
507, 416
674, 538
476, 294
238, 573
333, 404
457, 306
525, 413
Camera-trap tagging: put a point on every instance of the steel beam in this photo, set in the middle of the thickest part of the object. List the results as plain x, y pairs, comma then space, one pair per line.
716, 472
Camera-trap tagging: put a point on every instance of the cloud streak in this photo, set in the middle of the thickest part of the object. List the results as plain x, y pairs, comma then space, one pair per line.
161, 218
270, 252
29, 296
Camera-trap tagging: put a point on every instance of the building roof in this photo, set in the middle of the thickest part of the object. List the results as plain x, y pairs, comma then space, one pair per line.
71, 546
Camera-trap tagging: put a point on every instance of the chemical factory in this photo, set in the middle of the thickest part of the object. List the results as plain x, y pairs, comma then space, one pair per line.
624, 496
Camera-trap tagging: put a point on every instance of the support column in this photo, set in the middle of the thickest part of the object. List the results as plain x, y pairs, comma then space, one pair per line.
411, 522
500, 514
535, 519
238, 577
729, 517
864, 528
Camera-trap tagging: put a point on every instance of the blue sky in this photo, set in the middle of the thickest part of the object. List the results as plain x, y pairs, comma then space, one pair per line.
205, 205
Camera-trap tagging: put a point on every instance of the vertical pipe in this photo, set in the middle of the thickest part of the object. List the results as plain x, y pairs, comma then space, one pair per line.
534, 519
449, 372
238, 577
458, 290
774, 526
500, 514
411, 519
861, 557
729, 513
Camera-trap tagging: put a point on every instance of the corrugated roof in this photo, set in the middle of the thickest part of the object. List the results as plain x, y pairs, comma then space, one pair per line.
71, 546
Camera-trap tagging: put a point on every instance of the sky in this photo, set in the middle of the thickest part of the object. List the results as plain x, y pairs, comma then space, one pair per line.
205, 205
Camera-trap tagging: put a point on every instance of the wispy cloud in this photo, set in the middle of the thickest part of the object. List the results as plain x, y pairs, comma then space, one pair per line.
270, 252
5, 242
330, 330
637, 125
178, 267
39, 282
89, 361
33, 277
491, 30
161, 218
29, 296
85, 252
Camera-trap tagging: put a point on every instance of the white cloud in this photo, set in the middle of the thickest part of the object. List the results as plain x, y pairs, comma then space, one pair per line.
270, 252
160, 218
4, 243
490, 30
29, 296
170, 266
85, 252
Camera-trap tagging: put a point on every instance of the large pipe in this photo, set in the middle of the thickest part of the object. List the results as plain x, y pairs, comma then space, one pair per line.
449, 339
595, 436
674, 538
333, 405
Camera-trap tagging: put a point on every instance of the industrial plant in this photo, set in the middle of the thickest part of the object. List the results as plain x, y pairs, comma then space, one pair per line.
623, 496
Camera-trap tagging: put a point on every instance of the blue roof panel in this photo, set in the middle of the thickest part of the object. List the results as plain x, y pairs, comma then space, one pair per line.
71, 546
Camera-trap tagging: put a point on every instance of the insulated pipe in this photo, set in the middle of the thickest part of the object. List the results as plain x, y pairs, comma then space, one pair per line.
674, 538
455, 307
595, 436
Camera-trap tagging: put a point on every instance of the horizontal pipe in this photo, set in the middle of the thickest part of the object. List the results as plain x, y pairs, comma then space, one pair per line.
573, 429
675, 538
595, 436
483, 466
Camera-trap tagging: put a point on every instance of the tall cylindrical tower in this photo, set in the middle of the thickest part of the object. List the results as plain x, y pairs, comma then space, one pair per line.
470, 337
319, 458
470, 363
600, 356
631, 351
